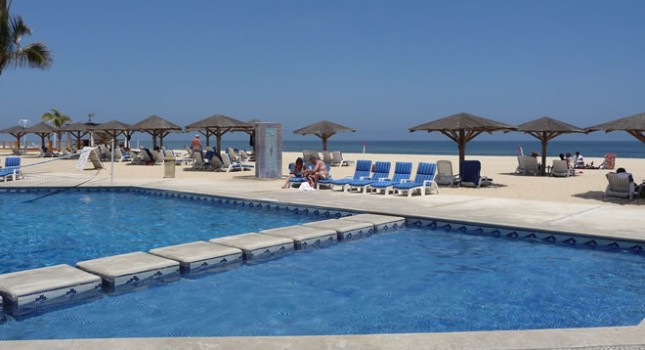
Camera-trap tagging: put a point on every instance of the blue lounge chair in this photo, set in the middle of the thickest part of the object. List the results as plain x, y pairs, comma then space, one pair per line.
381, 172
471, 174
402, 173
362, 171
11, 169
296, 181
423, 180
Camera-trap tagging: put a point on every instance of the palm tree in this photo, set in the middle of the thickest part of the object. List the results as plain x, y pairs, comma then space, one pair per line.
57, 119
12, 29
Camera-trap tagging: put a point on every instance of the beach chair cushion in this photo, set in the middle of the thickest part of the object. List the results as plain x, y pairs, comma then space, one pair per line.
363, 168
381, 171
423, 179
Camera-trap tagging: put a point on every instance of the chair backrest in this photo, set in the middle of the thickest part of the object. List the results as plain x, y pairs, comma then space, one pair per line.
199, 159
402, 171
618, 183
560, 166
11, 162
225, 159
232, 155
363, 168
215, 161
471, 171
425, 172
306, 155
117, 153
444, 169
147, 155
209, 156
381, 170
326, 157
336, 157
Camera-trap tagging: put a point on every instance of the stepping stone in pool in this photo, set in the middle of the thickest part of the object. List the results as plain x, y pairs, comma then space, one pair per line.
122, 273
346, 230
305, 237
382, 223
256, 246
35, 291
201, 256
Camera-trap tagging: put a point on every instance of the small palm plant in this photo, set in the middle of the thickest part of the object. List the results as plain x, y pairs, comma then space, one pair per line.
12, 29
57, 119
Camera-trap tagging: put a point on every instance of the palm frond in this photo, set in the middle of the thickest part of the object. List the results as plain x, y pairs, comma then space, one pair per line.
35, 55
18, 29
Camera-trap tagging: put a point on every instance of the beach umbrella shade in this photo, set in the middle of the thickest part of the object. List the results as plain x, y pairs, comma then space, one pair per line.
633, 125
157, 127
323, 129
41, 129
545, 129
16, 131
114, 128
78, 130
218, 125
462, 128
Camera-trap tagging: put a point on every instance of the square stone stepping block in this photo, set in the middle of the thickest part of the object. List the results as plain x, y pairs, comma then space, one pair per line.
30, 291
305, 237
128, 271
345, 229
200, 256
382, 223
257, 246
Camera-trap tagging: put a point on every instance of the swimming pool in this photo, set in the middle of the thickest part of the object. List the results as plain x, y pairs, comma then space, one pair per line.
413, 280
77, 225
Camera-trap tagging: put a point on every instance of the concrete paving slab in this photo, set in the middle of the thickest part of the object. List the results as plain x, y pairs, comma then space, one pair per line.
128, 271
200, 256
346, 229
28, 291
256, 246
305, 237
381, 223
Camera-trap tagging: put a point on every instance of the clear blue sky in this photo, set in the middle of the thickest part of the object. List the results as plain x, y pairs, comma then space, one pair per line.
378, 66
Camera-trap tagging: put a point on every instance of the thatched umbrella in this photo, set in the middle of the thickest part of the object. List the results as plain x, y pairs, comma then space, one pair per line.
217, 125
41, 129
545, 129
323, 129
16, 131
634, 125
157, 127
462, 128
78, 130
115, 128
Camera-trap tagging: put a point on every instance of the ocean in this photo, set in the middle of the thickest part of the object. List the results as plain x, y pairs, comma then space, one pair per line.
597, 149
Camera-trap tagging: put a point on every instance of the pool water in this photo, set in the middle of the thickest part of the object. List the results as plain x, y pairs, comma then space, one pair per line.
73, 226
412, 280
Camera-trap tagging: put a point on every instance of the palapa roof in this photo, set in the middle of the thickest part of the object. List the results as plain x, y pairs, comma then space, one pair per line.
635, 123
218, 121
78, 126
155, 122
465, 121
40, 128
14, 130
113, 125
548, 124
322, 128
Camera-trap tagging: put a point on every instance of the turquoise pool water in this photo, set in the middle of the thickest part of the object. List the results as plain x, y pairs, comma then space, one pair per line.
73, 226
413, 280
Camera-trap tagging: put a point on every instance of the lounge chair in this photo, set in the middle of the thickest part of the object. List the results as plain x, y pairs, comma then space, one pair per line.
423, 180
527, 165
306, 155
230, 165
326, 157
472, 174
11, 169
337, 159
620, 186
561, 168
363, 168
381, 173
445, 175
402, 173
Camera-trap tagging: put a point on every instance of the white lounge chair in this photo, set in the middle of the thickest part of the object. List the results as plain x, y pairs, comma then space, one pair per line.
620, 186
560, 168
337, 159
445, 175
528, 165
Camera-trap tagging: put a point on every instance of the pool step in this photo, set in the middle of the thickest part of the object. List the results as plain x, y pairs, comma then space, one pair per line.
346, 230
200, 256
30, 291
256, 246
382, 223
305, 237
128, 271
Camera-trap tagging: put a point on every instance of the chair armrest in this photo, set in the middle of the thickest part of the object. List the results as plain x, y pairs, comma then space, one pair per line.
382, 179
425, 182
405, 180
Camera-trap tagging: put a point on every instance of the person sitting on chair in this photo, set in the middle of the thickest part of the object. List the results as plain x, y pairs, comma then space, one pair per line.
579, 160
633, 188
298, 169
318, 172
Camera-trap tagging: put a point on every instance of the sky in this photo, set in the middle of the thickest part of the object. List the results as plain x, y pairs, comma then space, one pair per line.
380, 67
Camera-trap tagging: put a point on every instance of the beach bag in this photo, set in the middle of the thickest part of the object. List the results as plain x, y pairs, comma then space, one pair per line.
306, 187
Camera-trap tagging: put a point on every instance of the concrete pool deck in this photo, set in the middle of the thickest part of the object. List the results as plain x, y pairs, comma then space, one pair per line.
605, 219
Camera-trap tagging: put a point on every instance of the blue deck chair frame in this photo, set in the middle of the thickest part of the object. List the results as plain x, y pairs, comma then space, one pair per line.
381, 172
402, 173
11, 169
423, 181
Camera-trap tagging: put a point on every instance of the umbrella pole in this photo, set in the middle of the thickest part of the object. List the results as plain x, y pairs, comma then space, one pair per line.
324, 140
543, 169
462, 149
